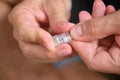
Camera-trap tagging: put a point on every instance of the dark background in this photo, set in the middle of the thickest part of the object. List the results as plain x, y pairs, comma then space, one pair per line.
79, 5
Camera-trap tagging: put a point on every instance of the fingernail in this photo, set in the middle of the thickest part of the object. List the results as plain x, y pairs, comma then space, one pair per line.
76, 31
64, 52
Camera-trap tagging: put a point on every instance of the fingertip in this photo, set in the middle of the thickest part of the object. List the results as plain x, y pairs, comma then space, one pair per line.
62, 26
84, 15
48, 43
44, 39
110, 9
98, 8
64, 50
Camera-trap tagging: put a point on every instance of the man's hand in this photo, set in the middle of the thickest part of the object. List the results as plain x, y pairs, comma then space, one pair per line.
97, 39
34, 20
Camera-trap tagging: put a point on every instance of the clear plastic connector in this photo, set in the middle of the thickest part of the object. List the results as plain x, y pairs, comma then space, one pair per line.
62, 38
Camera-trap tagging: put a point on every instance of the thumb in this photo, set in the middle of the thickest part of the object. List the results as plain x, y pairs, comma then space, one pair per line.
59, 16
97, 28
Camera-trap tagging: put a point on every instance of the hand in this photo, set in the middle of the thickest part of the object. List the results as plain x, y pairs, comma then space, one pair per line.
97, 39
34, 20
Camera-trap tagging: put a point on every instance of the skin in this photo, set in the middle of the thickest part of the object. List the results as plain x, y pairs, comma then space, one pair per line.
34, 22
14, 66
10, 54
99, 43
90, 46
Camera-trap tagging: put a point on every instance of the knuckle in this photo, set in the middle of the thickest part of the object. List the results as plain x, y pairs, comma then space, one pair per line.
88, 27
17, 18
19, 34
93, 28
18, 13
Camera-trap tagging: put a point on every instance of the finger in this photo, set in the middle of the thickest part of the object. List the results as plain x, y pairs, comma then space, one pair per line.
98, 8
84, 16
110, 9
79, 46
28, 30
85, 49
97, 58
97, 28
39, 52
108, 41
58, 16
98, 11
